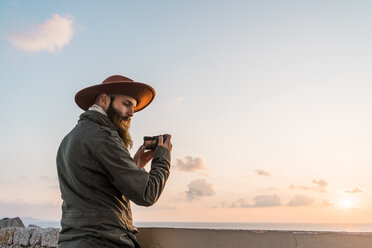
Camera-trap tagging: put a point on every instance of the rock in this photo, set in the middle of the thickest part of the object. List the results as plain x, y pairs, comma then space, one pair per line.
6, 236
35, 239
49, 237
11, 222
22, 236
35, 226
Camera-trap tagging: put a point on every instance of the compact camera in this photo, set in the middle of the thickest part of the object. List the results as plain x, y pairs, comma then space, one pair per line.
151, 142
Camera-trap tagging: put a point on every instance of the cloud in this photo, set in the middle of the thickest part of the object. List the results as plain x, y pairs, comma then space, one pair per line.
326, 203
199, 188
292, 186
52, 35
190, 164
321, 182
174, 102
222, 204
260, 201
353, 191
178, 100
320, 188
240, 203
262, 173
266, 201
300, 200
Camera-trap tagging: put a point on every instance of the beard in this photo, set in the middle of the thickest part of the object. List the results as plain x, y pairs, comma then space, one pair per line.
122, 123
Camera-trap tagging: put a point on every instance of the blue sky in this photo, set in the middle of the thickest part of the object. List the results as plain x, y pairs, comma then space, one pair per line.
263, 98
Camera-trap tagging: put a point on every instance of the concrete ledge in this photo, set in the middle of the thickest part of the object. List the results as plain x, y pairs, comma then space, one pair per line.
201, 238
191, 238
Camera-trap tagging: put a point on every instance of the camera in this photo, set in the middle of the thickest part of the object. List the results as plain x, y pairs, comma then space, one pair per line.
151, 142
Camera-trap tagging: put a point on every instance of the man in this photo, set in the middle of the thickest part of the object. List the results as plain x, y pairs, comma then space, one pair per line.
97, 176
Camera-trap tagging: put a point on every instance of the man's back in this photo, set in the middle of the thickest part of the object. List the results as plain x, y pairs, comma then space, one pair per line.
97, 179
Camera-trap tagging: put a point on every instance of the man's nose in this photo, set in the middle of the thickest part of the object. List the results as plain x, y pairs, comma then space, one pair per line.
131, 112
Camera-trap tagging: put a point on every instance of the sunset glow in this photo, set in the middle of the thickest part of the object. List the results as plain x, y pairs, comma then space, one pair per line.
346, 203
268, 103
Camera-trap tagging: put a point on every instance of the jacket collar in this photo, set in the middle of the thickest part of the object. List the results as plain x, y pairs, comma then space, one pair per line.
97, 108
99, 118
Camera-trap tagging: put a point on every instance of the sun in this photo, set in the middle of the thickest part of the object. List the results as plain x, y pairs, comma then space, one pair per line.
346, 203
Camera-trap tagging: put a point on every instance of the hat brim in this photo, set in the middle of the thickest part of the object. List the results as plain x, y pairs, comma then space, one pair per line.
142, 93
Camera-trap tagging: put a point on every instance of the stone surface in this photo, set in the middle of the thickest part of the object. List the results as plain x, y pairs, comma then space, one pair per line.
32, 225
35, 239
21, 236
49, 237
6, 236
11, 222
30, 237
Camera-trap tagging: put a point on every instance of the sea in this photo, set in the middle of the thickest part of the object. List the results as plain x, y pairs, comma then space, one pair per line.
325, 227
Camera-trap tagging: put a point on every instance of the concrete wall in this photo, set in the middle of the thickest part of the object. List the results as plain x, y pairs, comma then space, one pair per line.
201, 238
194, 238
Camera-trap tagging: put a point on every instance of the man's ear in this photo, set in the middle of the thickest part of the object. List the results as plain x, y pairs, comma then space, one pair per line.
103, 100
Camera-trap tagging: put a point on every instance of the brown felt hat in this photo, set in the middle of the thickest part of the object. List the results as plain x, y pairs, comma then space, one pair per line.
117, 84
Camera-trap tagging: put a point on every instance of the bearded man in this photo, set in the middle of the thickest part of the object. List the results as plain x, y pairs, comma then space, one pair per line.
97, 176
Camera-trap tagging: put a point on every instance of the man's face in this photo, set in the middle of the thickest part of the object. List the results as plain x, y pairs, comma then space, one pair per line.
122, 106
120, 111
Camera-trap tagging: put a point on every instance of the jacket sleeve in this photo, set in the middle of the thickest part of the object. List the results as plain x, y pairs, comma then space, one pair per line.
141, 187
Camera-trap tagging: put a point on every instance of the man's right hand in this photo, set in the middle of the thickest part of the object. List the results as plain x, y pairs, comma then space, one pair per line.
167, 144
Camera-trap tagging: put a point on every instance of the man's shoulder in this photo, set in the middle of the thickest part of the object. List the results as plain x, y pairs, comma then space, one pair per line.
90, 130
94, 133
109, 131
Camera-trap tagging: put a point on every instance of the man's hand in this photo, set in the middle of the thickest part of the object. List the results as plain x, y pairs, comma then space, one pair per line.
167, 144
142, 157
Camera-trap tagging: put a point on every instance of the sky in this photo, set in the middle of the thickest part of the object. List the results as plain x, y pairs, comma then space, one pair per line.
268, 103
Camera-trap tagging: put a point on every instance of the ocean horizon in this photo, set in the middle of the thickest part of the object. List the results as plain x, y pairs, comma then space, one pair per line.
323, 227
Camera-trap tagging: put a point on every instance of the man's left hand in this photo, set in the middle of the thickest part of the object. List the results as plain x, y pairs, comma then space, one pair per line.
142, 157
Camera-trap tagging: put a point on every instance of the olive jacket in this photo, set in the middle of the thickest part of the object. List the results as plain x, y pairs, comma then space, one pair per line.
98, 178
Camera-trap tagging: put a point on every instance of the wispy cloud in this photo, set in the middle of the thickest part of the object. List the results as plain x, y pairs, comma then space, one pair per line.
240, 203
327, 203
292, 186
300, 200
52, 35
260, 201
320, 182
190, 164
199, 188
354, 191
262, 173
175, 102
